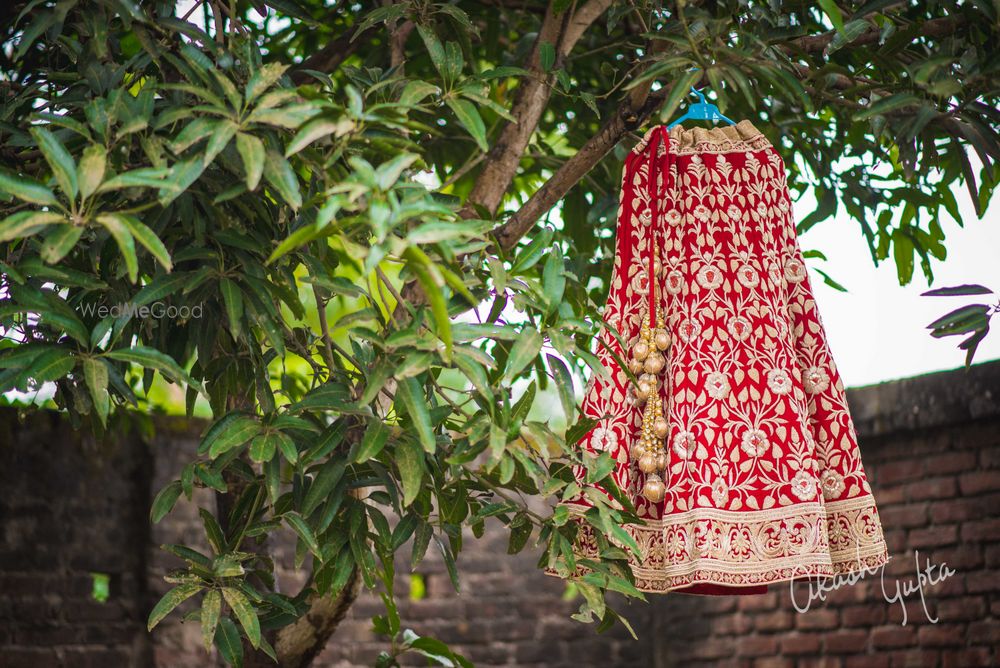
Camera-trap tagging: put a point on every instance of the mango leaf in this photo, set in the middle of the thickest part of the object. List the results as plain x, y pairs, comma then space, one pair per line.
282, 177
227, 639
469, 117
251, 150
244, 612
211, 608
164, 501
90, 171
26, 189
411, 395
59, 160
410, 461
26, 223
171, 600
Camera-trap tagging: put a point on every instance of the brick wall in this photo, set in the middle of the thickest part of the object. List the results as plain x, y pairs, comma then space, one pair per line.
69, 508
931, 446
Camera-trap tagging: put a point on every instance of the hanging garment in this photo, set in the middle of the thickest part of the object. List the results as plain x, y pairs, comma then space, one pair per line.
734, 442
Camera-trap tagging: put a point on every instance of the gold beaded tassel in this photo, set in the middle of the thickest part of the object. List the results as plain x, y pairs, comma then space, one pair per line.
650, 451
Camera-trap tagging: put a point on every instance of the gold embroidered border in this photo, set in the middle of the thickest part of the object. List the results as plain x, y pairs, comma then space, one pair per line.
741, 549
742, 137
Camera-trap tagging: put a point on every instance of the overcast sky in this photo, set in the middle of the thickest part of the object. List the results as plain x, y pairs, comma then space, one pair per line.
877, 329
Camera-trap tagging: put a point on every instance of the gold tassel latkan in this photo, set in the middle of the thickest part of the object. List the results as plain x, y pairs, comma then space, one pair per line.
648, 357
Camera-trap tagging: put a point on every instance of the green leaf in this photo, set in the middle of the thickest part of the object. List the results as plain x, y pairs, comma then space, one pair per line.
679, 91
279, 173
160, 287
147, 238
410, 460
375, 438
416, 90
434, 48
116, 226
171, 600
90, 171
211, 608
233, 298
524, 351
26, 223
60, 161
262, 448
299, 526
323, 484
227, 639
262, 79
412, 396
244, 612
469, 117
49, 366
958, 290
150, 358
833, 12
95, 372
316, 128
221, 135
554, 279
847, 34
251, 150
546, 56
59, 242
235, 433
164, 501
886, 105
26, 189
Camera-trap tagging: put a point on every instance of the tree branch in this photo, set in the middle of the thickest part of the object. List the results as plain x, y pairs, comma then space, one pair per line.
569, 174
817, 43
302, 640
563, 31
329, 58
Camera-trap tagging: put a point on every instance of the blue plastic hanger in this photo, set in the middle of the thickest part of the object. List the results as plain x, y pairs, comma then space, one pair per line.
701, 111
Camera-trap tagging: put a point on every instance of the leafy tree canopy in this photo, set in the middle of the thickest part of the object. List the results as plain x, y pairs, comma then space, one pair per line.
332, 226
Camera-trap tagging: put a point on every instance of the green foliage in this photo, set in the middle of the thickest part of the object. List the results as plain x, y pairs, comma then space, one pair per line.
183, 207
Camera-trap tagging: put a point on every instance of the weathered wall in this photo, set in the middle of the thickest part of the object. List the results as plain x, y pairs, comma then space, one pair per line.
931, 446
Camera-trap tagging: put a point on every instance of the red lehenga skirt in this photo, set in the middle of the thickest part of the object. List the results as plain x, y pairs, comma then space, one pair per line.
746, 421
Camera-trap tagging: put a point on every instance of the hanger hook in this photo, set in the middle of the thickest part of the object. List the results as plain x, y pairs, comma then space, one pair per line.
699, 94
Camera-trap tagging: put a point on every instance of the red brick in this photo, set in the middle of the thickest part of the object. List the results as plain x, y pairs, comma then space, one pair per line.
732, 624
933, 488
863, 615
893, 636
773, 662
800, 643
778, 620
900, 471
935, 536
941, 635
751, 646
982, 531
955, 510
913, 658
981, 582
951, 462
979, 482
985, 632
887, 496
817, 619
868, 661
768, 601
904, 517
846, 642
975, 657
964, 609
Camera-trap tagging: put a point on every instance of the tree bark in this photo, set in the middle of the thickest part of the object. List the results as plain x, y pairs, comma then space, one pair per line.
562, 31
